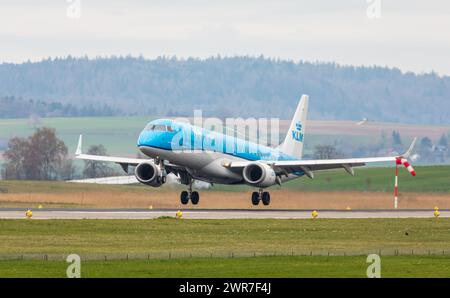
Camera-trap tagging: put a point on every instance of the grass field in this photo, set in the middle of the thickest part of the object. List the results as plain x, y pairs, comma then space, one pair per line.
370, 188
256, 267
428, 179
200, 238
226, 248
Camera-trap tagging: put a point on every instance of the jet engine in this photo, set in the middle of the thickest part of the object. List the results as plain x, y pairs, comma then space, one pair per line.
259, 175
150, 174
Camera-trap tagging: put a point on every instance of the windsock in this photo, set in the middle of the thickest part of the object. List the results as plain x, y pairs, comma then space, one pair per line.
406, 164
401, 161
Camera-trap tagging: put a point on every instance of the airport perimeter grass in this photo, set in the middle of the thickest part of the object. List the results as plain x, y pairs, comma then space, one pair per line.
241, 237
428, 179
256, 267
225, 248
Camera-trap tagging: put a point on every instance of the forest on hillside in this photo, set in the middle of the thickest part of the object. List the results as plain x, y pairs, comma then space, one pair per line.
224, 87
12, 107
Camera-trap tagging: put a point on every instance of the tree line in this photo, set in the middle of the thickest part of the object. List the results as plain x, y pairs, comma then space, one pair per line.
231, 87
17, 107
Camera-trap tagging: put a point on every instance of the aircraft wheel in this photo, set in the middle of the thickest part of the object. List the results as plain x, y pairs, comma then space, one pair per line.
195, 197
266, 198
255, 198
184, 197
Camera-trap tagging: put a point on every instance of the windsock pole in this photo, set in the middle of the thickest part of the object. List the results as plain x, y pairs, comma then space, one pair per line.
396, 186
401, 161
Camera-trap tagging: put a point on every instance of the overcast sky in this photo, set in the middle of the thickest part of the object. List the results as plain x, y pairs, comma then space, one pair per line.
409, 34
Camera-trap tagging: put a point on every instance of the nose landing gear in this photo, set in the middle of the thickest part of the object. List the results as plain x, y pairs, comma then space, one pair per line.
263, 196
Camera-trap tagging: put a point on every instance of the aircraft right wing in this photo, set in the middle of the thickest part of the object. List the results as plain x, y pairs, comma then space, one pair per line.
123, 161
119, 160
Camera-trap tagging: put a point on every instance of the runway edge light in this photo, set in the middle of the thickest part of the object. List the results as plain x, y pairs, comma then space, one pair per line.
436, 212
29, 213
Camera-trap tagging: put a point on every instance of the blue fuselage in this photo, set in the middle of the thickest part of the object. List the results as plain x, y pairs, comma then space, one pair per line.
169, 135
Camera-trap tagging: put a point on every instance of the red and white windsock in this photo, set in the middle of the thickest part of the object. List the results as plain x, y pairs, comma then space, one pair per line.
401, 161
406, 164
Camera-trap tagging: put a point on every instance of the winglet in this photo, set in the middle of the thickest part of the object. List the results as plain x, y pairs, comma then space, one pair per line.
80, 142
411, 147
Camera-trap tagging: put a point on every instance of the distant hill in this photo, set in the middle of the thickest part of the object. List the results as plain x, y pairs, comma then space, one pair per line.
12, 107
234, 86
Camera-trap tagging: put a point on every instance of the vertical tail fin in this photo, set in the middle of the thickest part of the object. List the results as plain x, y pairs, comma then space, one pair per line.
293, 143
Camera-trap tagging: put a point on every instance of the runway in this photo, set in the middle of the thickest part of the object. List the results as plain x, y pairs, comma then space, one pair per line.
16, 213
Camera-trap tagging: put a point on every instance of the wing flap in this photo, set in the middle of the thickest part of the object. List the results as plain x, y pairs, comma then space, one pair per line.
291, 166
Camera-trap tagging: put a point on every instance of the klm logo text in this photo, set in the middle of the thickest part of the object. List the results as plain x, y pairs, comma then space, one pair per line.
297, 133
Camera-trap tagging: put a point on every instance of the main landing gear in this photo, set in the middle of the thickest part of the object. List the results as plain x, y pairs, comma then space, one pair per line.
263, 196
185, 196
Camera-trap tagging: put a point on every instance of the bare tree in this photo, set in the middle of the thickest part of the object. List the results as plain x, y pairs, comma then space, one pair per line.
94, 169
39, 157
326, 152
45, 156
67, 170
15, 158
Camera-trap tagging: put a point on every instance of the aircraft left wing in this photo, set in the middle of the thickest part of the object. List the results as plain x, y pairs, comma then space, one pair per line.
309, 166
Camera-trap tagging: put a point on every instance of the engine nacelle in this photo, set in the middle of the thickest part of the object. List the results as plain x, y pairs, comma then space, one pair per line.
259, 175
150, 174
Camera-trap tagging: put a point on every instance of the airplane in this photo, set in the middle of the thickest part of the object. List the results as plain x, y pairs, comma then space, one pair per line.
195, 153
363, 121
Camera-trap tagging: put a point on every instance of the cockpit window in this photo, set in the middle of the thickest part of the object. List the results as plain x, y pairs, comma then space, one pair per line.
159, 127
